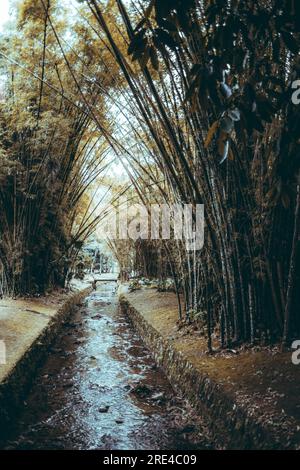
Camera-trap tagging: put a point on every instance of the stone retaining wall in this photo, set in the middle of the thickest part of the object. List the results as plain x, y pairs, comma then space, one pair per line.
232, 427
14, 387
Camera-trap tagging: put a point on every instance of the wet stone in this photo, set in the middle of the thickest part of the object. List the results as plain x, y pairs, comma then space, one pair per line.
104, 409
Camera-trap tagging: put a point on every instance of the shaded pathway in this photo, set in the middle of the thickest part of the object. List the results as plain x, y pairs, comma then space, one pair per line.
100, 389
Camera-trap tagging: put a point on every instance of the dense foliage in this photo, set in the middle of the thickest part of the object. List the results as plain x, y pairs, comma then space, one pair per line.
214, 93
50, 153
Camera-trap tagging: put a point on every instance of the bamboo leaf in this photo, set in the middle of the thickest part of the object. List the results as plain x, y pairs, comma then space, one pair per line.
225, 151
211, 132
230, 154
166, 39
223, 136
145, 57
149, 9
154, 58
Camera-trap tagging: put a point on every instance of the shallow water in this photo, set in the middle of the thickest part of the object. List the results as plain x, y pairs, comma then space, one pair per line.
100, 389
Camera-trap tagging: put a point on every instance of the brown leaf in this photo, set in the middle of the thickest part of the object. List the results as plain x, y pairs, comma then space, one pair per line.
221, 142
154, 58
211, 132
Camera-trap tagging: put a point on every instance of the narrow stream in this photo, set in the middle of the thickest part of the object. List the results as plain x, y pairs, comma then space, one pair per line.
100, 389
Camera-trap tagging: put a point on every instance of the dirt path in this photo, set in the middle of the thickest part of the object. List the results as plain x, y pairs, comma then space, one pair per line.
100, 389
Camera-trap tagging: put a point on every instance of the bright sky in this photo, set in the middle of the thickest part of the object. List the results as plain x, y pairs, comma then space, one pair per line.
4, 12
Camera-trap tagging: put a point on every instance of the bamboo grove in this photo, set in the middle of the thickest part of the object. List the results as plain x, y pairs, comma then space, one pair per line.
213, 97
193, 99
50, 150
